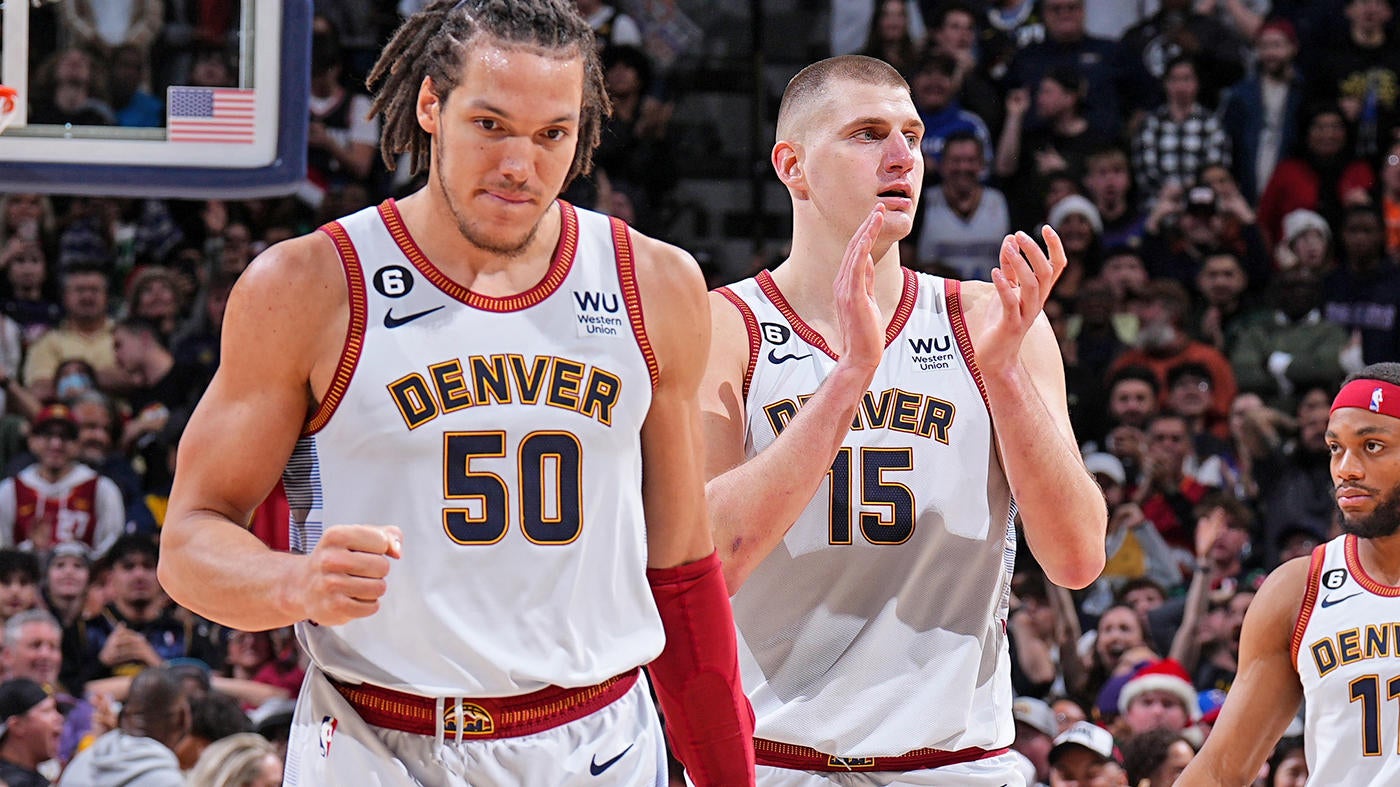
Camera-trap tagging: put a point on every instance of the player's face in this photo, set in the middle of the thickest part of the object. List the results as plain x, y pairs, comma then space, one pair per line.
1365, 451
504, 140
863, 150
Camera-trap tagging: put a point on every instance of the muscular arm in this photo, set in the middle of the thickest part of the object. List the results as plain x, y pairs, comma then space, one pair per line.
754, 502
677, 323
285, 320
1266, 692
1061, 508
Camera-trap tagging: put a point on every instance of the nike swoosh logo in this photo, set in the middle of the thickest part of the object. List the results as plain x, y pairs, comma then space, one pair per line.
1327, 602
390, 321
773, 357
595, 768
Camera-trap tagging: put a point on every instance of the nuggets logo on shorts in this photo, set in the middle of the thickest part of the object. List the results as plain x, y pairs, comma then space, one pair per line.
328, 724
473, 719
851, 762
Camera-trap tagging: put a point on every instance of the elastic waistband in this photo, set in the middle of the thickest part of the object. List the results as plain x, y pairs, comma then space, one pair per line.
786, 755
487, 717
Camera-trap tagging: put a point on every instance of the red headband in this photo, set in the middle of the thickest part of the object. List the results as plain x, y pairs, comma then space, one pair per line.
1378, 396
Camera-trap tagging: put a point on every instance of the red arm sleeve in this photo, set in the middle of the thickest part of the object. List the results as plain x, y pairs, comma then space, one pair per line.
708, 719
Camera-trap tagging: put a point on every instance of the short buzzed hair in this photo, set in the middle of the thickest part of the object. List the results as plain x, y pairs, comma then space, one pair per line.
1385, 371
813, 83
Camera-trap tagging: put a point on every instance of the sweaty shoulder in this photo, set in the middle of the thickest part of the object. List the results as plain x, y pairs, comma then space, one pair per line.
673, 303
1280, 598
293, 297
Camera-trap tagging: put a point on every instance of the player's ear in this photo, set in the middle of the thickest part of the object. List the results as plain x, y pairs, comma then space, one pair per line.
428, 106
787, 162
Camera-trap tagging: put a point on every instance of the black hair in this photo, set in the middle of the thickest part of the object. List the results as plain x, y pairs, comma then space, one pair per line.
17, 564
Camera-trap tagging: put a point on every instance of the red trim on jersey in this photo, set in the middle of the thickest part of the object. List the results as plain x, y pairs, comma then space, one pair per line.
1310, 592
354, 332
750, 327
1350, 547
952, 293
786, 755
487, 717
631, 294
909, 293
559, 265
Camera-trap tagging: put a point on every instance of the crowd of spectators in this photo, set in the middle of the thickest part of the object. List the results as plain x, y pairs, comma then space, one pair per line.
1225, 175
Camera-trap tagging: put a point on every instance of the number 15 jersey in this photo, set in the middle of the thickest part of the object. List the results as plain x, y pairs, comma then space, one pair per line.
503, 436
877, 626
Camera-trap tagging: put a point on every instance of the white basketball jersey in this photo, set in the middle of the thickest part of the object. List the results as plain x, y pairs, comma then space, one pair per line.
877, 626
503, 436
1346, 647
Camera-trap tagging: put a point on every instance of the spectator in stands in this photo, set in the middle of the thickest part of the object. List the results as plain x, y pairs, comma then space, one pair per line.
27, 216
1189, 392
1157, 757
33, 650
1167, 492
1108, 182
214, 716
19, 582
99, 436
1179, 137
241, 760
29, 729
140, 752
935, 90
1126, 274
1363, 294
211, 67
1011, 25
197, 343
1035, 733
1158, 696
341, 137
132, 106
1163, 343
1324, 177
1058, 141
1307, 242
1296, 349
86, 333
635, 150
66, 91
65, 584
1260, 114
261, 657
1132, 401
153, 295
1148, 49
1361, 73
1077, 221
1068, 45
1120, 636
139, 627
101, 31
58, 498
1288, 765
1390, 199
953, 31
163, 390
889, 39
964, 222
1224, 312
1084, 754
1295, 486
27, 288
611, 26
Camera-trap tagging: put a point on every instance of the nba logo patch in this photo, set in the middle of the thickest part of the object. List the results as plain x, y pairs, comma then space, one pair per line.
1377, 399
328, 724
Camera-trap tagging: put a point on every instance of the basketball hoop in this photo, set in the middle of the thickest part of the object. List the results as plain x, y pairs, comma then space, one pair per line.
9, 106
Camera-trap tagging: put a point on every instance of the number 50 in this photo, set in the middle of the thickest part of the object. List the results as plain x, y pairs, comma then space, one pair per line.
549, 479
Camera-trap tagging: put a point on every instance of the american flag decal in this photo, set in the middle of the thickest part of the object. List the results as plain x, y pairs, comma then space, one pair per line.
210, 114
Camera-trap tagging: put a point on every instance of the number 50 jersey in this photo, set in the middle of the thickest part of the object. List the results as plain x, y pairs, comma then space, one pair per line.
877, 626
503, 436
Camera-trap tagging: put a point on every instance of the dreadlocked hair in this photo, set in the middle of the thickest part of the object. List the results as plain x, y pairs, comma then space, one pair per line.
436, 41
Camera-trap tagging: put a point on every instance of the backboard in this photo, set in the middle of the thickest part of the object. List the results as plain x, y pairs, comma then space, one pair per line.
228, 121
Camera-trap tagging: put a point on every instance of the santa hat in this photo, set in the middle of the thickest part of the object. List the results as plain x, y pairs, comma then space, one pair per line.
1164, 675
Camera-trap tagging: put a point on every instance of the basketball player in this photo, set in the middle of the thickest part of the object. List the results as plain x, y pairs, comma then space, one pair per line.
1322, 629
480, 395
861, 499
